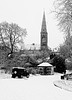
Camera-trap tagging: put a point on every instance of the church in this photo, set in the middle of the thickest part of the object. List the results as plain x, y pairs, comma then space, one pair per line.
42, 49
43, 38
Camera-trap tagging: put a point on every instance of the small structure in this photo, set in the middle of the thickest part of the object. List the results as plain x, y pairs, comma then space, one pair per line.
46, 69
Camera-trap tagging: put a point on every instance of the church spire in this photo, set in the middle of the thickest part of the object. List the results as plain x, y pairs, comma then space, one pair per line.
43, 29
44, 38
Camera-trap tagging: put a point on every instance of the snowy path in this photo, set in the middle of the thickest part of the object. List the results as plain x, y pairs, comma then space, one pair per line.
33, 88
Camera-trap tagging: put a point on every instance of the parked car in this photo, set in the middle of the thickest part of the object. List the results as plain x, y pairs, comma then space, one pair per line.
66, 76
19, 72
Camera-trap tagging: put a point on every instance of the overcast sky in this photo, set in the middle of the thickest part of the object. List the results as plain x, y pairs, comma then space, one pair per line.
28, 14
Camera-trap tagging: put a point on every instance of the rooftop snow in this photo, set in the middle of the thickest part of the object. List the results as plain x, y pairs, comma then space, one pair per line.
45, 64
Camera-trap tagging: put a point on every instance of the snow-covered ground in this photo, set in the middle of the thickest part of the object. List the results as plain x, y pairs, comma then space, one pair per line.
34, 88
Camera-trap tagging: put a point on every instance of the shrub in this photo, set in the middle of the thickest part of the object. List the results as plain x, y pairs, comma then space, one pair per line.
59, 62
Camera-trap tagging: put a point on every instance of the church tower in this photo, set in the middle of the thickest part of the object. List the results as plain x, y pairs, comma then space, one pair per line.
43, 45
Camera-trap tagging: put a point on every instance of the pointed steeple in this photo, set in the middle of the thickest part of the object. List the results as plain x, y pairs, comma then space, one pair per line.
43, 29
44, 38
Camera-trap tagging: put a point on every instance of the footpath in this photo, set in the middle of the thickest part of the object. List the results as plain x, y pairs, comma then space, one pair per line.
64, 84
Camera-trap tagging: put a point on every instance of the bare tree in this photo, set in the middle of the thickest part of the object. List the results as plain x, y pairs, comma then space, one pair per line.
63, 10
66, 48
11, 35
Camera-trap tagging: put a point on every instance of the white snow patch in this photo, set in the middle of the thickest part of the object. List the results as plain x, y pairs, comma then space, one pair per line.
45, 64
33, 88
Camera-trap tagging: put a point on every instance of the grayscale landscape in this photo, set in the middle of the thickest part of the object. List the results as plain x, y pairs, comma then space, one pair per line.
35, 49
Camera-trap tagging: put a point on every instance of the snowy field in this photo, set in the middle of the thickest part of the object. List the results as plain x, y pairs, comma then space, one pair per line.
34, 88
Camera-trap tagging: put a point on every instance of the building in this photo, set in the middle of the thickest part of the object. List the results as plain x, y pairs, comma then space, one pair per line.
44, 34
43, 38
46, 68
43, 48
